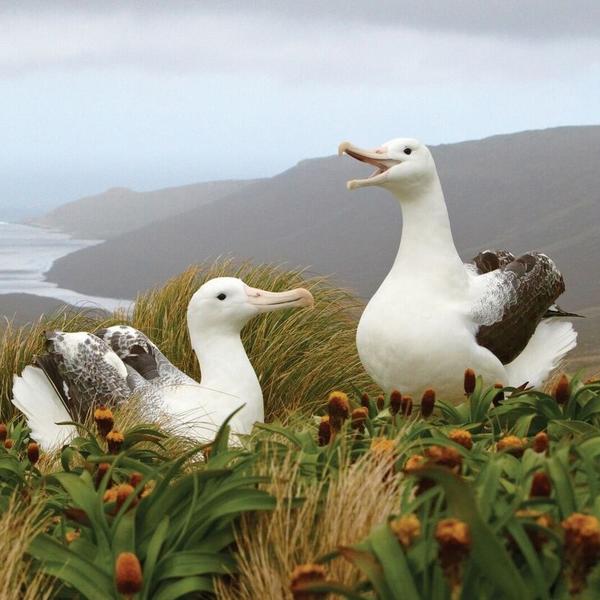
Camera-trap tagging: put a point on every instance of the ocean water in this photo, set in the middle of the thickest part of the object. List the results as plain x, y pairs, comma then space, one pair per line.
27, 253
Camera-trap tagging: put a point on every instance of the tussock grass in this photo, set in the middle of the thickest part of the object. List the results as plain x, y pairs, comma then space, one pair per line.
20, 522
336, 512
299, 355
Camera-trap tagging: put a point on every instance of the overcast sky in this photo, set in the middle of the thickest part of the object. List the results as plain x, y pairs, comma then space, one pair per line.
151, 94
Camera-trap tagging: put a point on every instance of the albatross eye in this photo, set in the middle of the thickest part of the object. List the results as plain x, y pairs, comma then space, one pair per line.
222, 296
407, 150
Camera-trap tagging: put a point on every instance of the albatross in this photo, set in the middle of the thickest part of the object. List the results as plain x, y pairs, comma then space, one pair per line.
433, 315
82, 369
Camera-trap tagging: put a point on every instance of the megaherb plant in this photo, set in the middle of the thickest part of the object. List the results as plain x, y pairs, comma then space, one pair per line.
484, 512
128, 520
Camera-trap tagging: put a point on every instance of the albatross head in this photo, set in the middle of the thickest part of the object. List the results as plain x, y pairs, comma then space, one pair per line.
227, 303
400, 165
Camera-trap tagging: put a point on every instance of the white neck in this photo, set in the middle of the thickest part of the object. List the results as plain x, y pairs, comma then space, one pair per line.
226, 368
427, 248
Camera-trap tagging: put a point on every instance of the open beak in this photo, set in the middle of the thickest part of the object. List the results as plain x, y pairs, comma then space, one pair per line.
268, 301
379, 158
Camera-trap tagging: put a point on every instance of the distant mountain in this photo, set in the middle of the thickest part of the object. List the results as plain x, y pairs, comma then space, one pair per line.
529, 190
120, 210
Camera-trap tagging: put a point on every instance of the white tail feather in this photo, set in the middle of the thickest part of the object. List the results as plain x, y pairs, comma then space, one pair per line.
546, 348
36, 398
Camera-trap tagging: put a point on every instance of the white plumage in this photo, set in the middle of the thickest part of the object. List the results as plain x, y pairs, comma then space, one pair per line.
433, 316
120, 361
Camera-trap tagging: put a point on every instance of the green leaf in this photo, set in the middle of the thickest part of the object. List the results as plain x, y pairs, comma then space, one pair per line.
183, 587
390, 554
367, 563
488, 553
73, 569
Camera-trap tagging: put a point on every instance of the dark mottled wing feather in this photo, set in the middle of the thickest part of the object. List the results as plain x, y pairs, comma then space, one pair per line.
490, 260
133, 348
84, 370
514, 297
141, 354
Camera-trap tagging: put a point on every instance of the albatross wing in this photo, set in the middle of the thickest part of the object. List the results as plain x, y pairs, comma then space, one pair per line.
512, 296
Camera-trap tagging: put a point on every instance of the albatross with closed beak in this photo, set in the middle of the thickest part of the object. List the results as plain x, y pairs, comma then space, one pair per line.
82, 369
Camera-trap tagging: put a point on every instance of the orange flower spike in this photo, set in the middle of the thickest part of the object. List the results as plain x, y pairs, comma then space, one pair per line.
541, 442
3, 432
324, 432
427, 403
541, 486
33, 452
414, 462
380, 402
562, 391
104, 419
462, 437
395, 402
128, 574
101, 471
8, 443
365, 401
469, 381
358, 418
581, 548
339, 409
407, 406
406, 529
115, 440
512, 444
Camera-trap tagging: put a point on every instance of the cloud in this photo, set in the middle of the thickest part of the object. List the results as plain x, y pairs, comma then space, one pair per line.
533, 19
390, 43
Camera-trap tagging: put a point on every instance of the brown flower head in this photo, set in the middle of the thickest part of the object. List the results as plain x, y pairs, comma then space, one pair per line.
407, 406
324, 433
541, 486
72, 535
512, 444
33, 452
562, 390
454, 541
3, 432
9, 443
469, 381
119, 494
359, 418
395, 402
383, 447
303, 576
115, 440
541, 442
128, 573
101, 471
104, 419
414, 463
582, 548
462, 437
365, 400
339, 409
135, 479
407, 529
427, 403
380, 402
444, 457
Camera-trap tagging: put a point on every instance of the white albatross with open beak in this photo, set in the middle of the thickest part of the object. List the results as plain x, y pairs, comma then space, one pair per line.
433, 315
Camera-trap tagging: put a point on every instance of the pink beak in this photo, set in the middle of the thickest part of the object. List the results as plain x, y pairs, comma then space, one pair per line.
268, 301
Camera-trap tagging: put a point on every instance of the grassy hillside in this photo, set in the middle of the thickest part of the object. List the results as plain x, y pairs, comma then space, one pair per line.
340, 494
298, 355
